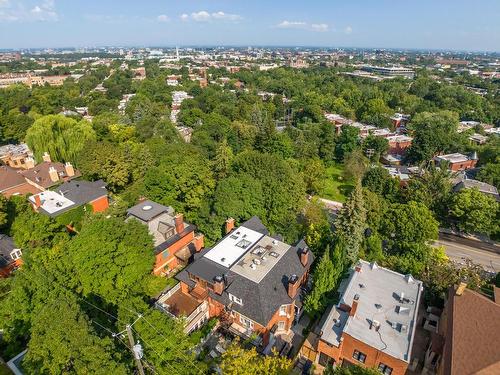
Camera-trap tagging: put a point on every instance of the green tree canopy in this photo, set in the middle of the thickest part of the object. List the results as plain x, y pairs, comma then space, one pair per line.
62, 137
475, 212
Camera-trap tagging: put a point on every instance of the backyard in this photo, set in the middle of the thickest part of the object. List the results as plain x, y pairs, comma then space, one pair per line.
334, 186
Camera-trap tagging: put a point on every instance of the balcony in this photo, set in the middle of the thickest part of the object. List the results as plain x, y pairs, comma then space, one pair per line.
181, 305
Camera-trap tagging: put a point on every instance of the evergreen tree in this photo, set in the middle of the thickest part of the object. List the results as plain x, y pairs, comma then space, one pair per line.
351, 223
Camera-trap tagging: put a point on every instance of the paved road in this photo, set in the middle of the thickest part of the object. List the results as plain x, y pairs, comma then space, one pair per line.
457, 251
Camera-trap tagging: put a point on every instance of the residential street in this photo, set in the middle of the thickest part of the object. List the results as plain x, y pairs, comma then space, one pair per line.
458, 248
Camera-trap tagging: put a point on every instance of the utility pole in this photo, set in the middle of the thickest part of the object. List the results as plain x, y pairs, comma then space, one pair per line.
136, 349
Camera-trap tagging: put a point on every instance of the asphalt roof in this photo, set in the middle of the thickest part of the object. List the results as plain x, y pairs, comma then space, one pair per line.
260, 300
6, 246
82, 192
146, 210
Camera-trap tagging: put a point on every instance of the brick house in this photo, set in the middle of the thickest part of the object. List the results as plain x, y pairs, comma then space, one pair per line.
71, 195
468, 337
15, 156
373, 324
398, 144
249, 279
175, 240
457, 162
10, 256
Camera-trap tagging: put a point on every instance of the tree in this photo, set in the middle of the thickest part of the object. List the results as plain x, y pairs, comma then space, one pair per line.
239, 361
490, 173
222, 160
380, 181
405, 225
62, 137
121, 253
313, 172
351, 222
182, 179
355, 165
3, 211
433, 133
240, 197
376, 112
346, 142
474, 211
63, 341
377, 146
325, 280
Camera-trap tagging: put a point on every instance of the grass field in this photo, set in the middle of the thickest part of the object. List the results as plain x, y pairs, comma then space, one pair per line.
334, 186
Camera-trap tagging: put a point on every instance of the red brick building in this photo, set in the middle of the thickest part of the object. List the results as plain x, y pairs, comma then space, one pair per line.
252, 281
174, 239
373, 324
457, 162
398, 144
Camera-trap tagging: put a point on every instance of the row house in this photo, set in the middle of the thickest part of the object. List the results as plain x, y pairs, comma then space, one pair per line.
174, 239
373, 325
251, 280
398, 144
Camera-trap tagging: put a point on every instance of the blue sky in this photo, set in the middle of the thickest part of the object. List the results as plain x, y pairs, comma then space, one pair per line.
427, 24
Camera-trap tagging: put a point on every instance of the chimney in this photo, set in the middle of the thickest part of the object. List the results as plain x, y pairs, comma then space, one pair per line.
304, 256
70, 171
460, 289
54, 176
354, 305
29, 162
38, 201
179, 223
229, 225
46, 157
199, 242
219, 285
293, 286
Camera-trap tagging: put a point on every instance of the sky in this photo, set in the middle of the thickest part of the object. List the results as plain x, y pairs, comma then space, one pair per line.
420, 24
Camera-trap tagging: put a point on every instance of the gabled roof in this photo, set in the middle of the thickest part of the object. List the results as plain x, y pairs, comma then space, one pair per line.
40, 174
472, 345
6, 246
10, 178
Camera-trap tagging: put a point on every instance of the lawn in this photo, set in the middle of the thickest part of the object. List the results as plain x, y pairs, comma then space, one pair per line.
4, 370
335, 187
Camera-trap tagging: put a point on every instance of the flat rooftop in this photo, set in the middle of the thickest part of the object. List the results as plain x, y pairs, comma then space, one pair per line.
257, 262
233, 246
386, 299
453, 158
52, 202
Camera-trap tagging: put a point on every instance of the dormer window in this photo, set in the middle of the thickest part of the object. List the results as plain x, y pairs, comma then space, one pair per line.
283, 310
15, 254
166, 229
235, 299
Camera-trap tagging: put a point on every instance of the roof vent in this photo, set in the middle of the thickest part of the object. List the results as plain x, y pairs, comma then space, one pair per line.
147, 207
375, 325
356, 297
362, 286
409, 278
253, 266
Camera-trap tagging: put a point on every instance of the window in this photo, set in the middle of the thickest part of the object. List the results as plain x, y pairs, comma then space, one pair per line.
281, 326
16, 254
246, 322
165, 254
384, 369
235, 299
325, 360
357, 355
283, 310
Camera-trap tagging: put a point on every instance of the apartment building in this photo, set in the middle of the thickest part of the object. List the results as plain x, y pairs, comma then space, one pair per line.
175, 240
373, 325
250, 279
457, 162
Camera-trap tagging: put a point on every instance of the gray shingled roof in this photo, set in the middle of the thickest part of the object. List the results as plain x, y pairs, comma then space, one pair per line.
260, 300
146, 215
6, 246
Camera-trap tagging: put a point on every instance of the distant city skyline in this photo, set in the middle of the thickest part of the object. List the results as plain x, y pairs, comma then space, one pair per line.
425, 25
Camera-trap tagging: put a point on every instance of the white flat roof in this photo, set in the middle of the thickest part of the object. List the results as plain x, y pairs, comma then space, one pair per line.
389, 298
52, 202
233, 246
